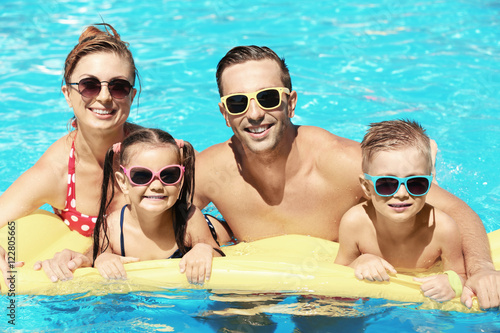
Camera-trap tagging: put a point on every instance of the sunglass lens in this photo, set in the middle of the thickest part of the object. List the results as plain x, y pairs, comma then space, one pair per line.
387, 186
269, 98
140, 176
89, 87
417, 186
170, 175
237, 104
119, 88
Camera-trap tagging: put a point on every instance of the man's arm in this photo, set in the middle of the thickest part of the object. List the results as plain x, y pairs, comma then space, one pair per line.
483, 280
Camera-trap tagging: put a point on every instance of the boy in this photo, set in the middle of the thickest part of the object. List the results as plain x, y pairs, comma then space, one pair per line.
396, 227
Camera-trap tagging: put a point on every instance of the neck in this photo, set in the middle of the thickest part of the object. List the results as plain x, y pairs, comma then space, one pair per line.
268, 171
153, 224
397, 231
94, 143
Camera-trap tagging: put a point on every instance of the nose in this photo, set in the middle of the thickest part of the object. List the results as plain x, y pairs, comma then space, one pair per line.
156, 184
254, 111
104, 94
402, 192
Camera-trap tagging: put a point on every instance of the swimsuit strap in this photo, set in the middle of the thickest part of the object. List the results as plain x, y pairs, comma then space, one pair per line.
122, 243
177, 254
213, 232
211, 227
71, 195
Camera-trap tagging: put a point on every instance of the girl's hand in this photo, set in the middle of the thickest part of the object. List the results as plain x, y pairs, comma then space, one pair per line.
111, 265
197, 263
372, 268
436, 287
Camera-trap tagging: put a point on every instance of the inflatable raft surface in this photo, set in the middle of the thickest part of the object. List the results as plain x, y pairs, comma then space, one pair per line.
285, 264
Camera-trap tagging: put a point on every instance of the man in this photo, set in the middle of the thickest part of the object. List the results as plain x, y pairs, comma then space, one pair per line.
273, 177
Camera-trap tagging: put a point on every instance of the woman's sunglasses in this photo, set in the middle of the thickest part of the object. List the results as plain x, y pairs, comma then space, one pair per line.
386, 186
268, 99
91, 87
142, 176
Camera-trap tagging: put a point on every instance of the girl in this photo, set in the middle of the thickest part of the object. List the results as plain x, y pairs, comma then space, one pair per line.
159, 220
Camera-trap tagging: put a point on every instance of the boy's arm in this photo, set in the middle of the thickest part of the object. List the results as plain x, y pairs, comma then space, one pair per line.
451, 245
348, 247
483, 280
446, 286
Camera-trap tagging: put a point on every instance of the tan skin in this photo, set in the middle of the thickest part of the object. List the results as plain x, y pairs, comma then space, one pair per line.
302, 179
46, 181
401, 230
148, 222
260, 193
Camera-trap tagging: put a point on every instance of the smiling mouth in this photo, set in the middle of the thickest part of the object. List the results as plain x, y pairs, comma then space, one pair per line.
155, 197
402, 205
258, 130
101, 111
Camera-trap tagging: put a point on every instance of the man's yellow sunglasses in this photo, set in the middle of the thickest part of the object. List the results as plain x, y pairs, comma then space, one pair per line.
268, 99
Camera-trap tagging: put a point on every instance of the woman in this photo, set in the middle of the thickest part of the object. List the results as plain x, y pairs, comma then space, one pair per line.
99, 76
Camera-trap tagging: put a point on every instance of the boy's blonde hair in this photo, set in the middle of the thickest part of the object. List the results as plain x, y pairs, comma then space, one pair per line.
392, 135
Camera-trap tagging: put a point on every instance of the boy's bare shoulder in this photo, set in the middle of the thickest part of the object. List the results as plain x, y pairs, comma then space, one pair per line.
444, 223
358, 215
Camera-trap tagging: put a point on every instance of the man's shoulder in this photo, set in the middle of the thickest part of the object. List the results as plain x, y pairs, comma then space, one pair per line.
324, 138
214, 157
216, 151
329, 149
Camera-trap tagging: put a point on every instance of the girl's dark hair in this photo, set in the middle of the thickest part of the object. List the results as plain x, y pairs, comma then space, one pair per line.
153, 138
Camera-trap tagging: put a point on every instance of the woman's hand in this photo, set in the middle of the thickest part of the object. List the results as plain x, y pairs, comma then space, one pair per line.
5, 266
62, 266
197, 263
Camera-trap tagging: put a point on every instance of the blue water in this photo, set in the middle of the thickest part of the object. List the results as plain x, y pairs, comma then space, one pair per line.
352, 63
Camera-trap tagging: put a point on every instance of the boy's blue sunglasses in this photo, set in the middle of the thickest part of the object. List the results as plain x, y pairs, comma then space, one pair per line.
386, 186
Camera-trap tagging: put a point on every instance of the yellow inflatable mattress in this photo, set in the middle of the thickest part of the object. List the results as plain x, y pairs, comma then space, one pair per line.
285, 264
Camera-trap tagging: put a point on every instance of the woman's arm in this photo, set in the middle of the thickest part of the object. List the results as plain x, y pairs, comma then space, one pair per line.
43, 183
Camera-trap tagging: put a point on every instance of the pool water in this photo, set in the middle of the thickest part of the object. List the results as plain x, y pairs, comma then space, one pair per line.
352, 63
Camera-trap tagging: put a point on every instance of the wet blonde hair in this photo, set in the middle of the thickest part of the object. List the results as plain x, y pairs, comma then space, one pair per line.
393, 135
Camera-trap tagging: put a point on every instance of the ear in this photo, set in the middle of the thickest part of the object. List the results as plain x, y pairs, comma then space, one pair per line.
224, 113
132, 95
65, 91
365, 185
122, 182
292, 103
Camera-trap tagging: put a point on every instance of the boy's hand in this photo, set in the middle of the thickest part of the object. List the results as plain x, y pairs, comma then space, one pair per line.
372, 268
197, 263
62, 266
436, 287
110, 266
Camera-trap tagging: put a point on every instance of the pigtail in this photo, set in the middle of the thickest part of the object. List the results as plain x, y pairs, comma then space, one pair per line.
183, 205
108, 181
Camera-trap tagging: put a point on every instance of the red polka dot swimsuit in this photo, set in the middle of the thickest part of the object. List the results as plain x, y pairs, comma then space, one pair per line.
75, 220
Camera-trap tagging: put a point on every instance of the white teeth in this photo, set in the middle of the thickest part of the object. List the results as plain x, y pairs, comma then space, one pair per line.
99, 111
257, 129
